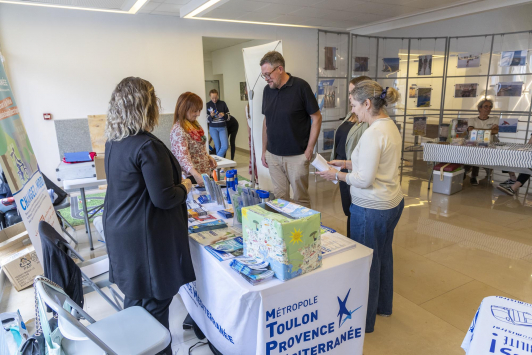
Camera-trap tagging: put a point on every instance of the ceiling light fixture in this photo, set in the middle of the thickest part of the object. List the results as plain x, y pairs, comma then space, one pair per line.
133, 10
195, 8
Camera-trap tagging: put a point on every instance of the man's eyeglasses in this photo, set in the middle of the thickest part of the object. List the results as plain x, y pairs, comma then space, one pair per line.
267, 75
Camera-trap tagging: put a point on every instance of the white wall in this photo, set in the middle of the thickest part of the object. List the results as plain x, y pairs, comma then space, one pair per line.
68, 62
207, 68
229, 62
507, 19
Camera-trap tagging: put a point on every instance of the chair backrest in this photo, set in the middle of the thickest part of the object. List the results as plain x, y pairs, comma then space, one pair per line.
69, 326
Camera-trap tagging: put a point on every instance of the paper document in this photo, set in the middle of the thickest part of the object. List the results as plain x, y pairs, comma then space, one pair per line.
321, 164
334, 243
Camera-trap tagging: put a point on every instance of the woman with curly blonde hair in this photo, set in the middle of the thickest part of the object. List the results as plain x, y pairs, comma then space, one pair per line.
145, 214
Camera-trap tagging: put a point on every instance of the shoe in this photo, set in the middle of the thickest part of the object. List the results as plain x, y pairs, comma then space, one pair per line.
506, 189
473, 181
508, 182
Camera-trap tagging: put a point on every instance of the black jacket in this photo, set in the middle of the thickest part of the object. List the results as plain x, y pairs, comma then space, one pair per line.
219, 106
145, 219
58, 266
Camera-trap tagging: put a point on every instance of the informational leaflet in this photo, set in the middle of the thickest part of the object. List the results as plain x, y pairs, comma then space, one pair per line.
334, 243
321, 164
215, 235
290, 209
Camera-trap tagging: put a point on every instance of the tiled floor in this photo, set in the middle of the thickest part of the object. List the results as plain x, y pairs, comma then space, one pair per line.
449, 253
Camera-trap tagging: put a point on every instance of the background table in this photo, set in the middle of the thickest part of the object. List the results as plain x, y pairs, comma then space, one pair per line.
224, 163
238, 318
501, 326
512, 159
81, 184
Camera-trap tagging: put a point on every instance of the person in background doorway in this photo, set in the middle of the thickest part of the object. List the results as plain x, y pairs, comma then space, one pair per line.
346, 138
252, 166
187, 139
290, 130
232, 130
483, 121
376, 195
145, 215
217, 116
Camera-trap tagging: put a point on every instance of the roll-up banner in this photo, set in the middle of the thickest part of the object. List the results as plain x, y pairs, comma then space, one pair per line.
20, 167
252, 57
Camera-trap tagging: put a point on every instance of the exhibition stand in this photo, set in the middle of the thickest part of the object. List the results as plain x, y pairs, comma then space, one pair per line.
501, 326
323, 311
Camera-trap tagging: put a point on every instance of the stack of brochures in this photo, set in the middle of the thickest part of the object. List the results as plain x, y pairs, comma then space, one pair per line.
226, 249
290, 209
333, 242
253, 270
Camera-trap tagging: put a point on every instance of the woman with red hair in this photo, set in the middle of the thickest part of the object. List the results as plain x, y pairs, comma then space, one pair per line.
188, 138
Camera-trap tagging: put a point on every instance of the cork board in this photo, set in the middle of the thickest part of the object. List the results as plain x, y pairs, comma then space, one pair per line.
97, 130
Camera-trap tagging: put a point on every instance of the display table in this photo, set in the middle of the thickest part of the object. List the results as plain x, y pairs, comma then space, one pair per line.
501, 326
516, 157
224, 163
81, 185
323, 311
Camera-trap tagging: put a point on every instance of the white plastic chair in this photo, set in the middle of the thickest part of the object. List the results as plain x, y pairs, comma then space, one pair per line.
132, 331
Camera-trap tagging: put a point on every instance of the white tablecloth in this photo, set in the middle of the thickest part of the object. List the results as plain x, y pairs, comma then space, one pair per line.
489, 157
501, 326
299, 316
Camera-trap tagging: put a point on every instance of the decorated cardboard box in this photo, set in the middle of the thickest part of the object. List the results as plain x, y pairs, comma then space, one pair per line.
291, 246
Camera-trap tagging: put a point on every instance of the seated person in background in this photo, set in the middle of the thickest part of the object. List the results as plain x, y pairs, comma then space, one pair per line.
483, 121
188, 139
514, 188
512, 185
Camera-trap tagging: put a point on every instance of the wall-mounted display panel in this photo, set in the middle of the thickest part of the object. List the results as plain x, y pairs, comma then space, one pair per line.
333, 54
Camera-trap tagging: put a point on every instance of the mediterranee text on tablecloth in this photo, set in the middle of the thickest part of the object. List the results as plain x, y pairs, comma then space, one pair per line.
278, 327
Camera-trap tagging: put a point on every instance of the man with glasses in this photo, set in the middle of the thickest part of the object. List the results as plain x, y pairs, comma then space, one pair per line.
290, 130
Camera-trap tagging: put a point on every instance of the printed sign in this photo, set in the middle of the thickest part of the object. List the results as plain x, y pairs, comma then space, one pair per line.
20, 167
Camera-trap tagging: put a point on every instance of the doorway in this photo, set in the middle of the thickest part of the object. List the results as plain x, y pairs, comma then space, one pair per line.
212, 84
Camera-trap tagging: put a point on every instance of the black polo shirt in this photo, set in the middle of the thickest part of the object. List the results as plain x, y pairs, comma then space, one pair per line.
287, 112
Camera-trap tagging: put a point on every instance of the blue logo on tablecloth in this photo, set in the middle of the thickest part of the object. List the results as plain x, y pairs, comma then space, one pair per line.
344, 311
512, 316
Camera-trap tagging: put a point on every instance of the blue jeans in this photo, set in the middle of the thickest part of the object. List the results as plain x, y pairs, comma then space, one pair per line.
374, 229
219, 136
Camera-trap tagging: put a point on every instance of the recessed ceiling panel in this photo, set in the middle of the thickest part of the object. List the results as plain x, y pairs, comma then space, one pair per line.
95, 4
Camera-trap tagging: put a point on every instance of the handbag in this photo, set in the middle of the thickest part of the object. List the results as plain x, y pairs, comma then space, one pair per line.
51, 339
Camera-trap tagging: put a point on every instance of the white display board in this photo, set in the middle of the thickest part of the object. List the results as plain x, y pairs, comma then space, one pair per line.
252, 57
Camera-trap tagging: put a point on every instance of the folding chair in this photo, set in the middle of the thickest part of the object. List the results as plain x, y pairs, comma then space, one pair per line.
65, 204
47, 231
132, 331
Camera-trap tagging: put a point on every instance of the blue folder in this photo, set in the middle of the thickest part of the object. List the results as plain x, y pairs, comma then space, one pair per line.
77, 157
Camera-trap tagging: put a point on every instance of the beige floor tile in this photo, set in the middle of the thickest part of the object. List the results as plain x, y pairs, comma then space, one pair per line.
412, 330
508, 275
419, 279
458, 307
411, 239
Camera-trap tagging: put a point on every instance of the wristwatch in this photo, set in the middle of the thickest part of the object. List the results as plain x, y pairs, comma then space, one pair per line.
336, 176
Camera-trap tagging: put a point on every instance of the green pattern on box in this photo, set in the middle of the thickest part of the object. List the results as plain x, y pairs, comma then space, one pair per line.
291, 246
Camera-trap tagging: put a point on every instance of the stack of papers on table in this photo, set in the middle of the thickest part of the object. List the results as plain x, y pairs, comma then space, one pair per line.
253, 270
214, 235
226, 249
333, 243
290, 209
